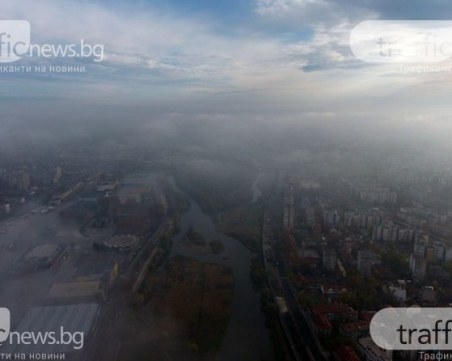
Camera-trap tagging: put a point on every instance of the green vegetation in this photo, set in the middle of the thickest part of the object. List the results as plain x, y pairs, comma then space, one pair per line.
396, 263
242, 223
195, 238
217, 247
277, 335
270, 309
309, 299
366, 293
258, 274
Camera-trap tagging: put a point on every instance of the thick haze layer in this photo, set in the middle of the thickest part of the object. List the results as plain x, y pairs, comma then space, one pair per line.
263, 62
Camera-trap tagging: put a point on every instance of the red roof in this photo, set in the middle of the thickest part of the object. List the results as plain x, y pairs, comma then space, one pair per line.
355, 326
346, 353
322, 322
333, 308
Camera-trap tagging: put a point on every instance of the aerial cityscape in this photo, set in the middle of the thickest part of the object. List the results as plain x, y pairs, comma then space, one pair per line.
219, 254
263, 180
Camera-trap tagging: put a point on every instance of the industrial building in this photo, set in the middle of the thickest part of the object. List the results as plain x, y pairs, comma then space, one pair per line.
122, 243
65, 292
41, 257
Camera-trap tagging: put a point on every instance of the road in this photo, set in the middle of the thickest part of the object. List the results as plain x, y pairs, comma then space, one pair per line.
151, 248
306, 337
303, 341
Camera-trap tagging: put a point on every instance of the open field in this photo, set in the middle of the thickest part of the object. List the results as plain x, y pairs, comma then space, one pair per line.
190, 303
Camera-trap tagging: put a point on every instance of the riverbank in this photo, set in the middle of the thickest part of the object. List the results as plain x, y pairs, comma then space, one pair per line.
246, 337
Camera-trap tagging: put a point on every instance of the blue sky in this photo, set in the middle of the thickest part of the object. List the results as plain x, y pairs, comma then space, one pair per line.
223, 57
230, 11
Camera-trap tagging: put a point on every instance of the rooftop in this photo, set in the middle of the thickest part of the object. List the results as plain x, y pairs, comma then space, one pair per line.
346, 353
355, 326
75, 289
43, 251
333, 308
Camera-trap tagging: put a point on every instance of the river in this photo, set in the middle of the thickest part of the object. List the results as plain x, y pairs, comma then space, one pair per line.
246, 338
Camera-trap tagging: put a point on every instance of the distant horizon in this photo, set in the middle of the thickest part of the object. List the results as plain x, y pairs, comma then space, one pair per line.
286, 61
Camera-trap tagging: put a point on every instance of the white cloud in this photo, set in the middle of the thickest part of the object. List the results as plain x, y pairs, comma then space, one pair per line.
151, 41
284, 7
185, 48
146, 50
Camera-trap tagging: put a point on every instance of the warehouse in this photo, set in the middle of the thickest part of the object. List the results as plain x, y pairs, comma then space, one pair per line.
41, 257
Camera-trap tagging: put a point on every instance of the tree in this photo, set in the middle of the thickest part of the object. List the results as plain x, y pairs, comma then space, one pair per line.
396, 262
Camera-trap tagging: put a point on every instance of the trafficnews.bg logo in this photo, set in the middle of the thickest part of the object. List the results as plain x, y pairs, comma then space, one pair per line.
15, 40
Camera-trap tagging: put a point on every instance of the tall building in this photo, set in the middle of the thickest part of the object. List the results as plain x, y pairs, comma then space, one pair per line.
330, 218
329, 259
418, 266
57, 175
366, 260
